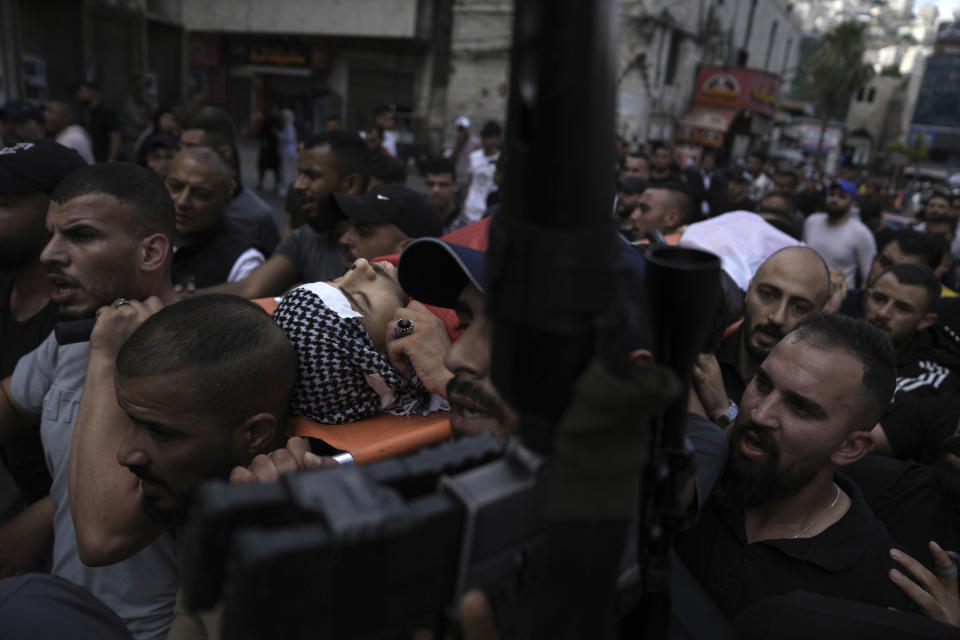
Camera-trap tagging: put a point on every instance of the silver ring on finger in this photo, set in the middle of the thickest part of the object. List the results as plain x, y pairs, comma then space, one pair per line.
949, 571
403, 327
119, 302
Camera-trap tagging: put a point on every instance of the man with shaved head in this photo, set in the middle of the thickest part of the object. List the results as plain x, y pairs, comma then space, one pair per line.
790, 285
664, 207
210, 247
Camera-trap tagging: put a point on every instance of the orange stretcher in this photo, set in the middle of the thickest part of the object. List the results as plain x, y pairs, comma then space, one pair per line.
384, 436
376, 438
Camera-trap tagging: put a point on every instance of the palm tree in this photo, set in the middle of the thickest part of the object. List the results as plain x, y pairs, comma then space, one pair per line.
837, 70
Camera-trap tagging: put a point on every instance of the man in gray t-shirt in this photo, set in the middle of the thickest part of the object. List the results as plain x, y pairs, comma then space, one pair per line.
108, 242
316, 254
142, 589
330, 162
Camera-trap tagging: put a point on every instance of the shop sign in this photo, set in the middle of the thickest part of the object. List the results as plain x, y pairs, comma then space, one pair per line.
278, 55
737, 88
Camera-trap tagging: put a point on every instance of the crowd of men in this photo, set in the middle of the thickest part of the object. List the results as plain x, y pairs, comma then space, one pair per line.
824, 423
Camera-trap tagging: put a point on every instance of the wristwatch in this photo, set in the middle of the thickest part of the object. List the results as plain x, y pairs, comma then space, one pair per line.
728, 416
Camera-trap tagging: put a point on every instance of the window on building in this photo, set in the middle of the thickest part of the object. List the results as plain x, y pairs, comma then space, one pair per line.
773, 38
673, 57
871, 95
860, 94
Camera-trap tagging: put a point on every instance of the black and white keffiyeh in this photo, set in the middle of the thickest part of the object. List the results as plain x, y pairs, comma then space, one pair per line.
342, 377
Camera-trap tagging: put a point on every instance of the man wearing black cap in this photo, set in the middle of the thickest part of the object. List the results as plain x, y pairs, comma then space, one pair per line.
448, 275
21, 121
29, 171
384, 220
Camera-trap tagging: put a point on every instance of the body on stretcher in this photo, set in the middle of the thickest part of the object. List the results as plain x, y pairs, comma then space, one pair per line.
373, 439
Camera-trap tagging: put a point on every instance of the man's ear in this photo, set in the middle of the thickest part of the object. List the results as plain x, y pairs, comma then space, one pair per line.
928, 319
854, 446
257, 434
226, 151
154, 250
352, 184
673, 218
402, 242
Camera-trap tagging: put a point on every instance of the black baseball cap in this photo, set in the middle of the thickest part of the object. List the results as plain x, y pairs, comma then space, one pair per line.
34, 167
739, 175
406, 209
435, 271
22, 111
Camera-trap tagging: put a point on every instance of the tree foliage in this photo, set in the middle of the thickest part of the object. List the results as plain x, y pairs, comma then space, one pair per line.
837, 70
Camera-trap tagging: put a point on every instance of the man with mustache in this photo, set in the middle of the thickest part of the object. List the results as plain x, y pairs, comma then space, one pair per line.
788, 286
902, 303
782, 517
448, 275
112, 228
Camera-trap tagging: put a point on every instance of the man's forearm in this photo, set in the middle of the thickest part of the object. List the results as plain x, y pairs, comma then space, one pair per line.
238, 288
104, 496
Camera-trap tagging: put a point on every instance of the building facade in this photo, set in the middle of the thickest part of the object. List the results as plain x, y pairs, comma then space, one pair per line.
49, 47
935, 123
321, 60
874, 118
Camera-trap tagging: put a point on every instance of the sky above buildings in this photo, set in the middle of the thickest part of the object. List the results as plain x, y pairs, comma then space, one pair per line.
946, 7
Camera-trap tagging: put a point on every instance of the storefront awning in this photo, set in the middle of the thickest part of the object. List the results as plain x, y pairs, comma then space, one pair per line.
706, 126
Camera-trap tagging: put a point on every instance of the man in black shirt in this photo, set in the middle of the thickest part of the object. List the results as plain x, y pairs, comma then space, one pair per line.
210, 247
662, 168
103, 124
789, 286
902, 303
917, 503
29, 171
782, 518
916, 429
738, 186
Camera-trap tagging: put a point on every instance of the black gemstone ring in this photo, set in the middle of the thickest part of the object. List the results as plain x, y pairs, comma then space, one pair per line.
403, 327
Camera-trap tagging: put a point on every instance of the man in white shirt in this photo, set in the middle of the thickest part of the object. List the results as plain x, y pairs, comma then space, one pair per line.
842, 240
60, 121
483, 163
